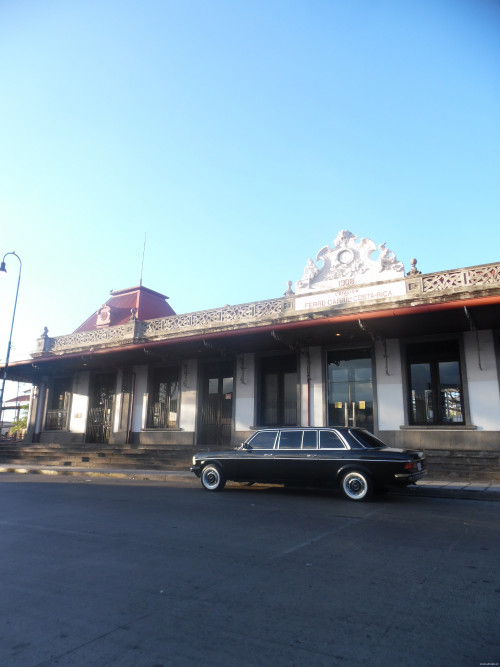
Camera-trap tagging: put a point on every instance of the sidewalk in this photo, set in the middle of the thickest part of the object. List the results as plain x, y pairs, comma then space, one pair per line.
425, 488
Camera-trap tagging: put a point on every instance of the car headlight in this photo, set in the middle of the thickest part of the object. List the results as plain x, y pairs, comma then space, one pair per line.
194, 460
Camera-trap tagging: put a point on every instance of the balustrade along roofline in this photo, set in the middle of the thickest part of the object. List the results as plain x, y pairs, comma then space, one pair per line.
436, 291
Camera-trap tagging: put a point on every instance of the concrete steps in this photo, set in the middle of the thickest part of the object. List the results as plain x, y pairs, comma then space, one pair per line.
465, 465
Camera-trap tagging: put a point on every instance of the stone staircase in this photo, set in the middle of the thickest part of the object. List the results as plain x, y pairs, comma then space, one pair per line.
97, 456
442, 464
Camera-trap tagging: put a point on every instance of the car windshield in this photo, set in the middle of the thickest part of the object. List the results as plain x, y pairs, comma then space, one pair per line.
367, 439
262, 440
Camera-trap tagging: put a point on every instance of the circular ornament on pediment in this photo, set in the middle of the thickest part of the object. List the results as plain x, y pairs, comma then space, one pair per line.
345, 257
345, 263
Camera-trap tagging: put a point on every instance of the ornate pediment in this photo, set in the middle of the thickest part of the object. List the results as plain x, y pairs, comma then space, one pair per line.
349, 262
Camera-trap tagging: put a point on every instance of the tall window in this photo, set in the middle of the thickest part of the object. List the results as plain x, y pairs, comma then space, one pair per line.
279, 391
56, 418
435, 384
163, 408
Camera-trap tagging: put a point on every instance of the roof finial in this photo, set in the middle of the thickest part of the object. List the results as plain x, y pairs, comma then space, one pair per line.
413, 271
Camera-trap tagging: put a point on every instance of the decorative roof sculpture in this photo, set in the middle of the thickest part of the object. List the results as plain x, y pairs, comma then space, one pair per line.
125, 305
349, 262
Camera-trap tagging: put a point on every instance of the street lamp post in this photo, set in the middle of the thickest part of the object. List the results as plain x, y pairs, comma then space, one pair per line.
3, 268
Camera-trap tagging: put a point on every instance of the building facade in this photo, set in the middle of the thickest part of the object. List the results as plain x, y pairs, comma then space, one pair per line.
357, 340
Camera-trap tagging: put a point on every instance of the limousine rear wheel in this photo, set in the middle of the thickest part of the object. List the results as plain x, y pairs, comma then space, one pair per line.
357, 485
212, 478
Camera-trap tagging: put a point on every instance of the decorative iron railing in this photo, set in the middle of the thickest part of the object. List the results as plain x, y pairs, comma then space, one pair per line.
56, 420
203, 319
173, 324
110, 335
98, 425
162, 415
475, 276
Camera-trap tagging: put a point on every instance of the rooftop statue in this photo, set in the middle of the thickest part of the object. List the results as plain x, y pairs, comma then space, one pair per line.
349, 262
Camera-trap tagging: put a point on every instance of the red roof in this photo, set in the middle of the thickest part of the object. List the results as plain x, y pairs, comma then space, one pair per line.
147, 303
19, 399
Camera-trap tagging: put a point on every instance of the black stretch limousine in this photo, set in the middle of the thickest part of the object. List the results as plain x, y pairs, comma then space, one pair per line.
351, 458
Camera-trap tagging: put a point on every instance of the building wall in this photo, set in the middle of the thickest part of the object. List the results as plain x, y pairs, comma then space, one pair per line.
244, 394
389, 385
79, 403
185, 434
117, 408
140, 398
189, 386
35, 422
312, 394
482, 380
77, 420
305, 400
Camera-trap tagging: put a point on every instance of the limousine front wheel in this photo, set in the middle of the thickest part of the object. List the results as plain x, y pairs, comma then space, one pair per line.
212, 478
357, 485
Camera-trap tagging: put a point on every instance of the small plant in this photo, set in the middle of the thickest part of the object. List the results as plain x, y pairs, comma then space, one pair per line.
19, 425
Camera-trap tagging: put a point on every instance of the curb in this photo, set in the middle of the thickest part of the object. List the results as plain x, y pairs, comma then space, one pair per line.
460, 491
161, 475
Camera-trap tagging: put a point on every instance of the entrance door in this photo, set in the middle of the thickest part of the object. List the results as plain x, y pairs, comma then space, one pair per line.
216, 412
350, 388
279, 391
101, 408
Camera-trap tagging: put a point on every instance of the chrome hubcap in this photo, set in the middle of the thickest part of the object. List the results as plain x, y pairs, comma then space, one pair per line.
210, 478
355, 485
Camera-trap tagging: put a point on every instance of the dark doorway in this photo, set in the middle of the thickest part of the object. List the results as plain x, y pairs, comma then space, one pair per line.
279, 391
216, 410
350, 388
101, 407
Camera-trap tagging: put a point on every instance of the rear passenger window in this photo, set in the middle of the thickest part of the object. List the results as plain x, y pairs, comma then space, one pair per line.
310, 440
330, 440
263, 440
290, 439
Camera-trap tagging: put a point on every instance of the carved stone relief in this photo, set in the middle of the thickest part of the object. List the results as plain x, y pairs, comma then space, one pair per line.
349, 262
103, 316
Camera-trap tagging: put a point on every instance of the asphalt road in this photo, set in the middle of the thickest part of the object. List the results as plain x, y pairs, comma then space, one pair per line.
127, 572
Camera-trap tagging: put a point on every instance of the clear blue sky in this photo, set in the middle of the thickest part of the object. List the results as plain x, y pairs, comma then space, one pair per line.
240, 137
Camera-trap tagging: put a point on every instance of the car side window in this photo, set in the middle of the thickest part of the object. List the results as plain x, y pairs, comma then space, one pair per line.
310, 440
330, 440
290, 439
263, 440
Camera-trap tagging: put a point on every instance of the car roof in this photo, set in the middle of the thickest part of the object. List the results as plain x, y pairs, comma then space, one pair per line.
306, 428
